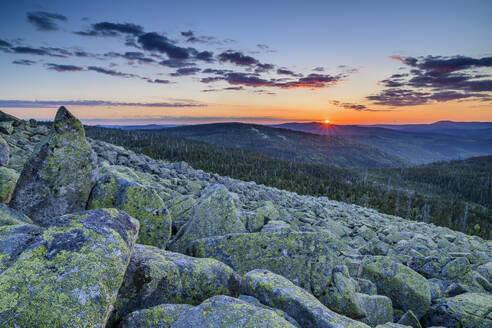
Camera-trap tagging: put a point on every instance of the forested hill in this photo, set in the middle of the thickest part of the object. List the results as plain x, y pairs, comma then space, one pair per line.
416, 144
288, 145
455, 194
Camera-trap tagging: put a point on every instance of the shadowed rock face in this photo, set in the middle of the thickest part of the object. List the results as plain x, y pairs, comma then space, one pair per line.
58, 177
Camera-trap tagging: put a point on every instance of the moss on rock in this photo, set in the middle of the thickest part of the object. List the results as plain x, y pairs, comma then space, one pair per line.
8, 178
70, 274
159, 316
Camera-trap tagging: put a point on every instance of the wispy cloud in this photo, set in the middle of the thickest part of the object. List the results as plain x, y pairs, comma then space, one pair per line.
356, 107
91, 103
45, 21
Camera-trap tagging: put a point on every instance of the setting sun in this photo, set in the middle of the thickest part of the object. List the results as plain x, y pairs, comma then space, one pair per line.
327, 121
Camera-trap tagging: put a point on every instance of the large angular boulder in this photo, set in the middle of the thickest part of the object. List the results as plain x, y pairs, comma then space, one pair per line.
4, 152
305, 258
278, 292
120, 187
407, 289
8, 178
9, 216
155, 276
215, 214
162, 316
68, 275
378, 309
468, 310
227, 312
58, 177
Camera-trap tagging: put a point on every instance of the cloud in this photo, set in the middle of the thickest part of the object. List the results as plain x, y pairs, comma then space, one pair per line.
43, 51
193, 38
186, 71
159, 81
111, 72
206, 56
261, 68
112, 29
237, 58
436, 78
55, 103
356, 107
45, 21
176, 63
4, 43
64, 68
282, 71
156, 42
132, 56
312, 81
25, 62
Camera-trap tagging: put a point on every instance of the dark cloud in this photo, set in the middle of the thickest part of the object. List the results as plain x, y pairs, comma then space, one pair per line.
261, 68
25, 62
234, 88
43, 51
111, 72
175, 63
356, 107
112, 29
319, 69
159, 81
237, 58
4, 43
436, 78
45, 21
64, 68
312, 81
282, 71
56, 103
211, 79
186, 71
156, 42
263, 46
193, 38
216, 71
206, 56
133, 56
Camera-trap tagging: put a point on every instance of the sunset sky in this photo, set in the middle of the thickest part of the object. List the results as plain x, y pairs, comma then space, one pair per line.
350, 62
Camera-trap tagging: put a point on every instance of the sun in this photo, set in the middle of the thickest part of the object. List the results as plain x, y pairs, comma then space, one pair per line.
327, 121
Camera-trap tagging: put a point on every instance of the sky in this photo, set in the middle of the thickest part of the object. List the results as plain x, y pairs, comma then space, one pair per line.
189, 62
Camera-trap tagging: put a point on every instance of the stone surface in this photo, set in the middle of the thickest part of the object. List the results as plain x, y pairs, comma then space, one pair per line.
305, 258
215, 214
409, 319
377, 309
8, 179
278, 292
4, 152
407, 289
155, 276
159, 316
228, 312
469, 310
69, 274
58, 177
9, 216
122, 188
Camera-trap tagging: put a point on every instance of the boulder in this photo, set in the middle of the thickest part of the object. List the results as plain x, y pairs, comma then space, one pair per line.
278, 292
4, 152
256, 302
305, 258
227, 312
276, 226
407, 289
59, 176
155, 276
8, 178
468, 310
378, 309
215, 214
14, 239
122, 188
6, 128
262, 215
9, 216
409, 319
180, 209
162, 316
69, 274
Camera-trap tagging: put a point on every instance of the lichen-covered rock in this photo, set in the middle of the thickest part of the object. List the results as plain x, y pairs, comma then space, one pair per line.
180, 209
278, 292
6, 127
159, 316
469, 310
58, 177
8, 178
215, 214
70, 274
407, 289
378, 309
122, 188
9, 216
4, 152
263, 214
276, 226
305, 258
394, 325
14, 239
155, 276
253, 300
227, 312
409, 319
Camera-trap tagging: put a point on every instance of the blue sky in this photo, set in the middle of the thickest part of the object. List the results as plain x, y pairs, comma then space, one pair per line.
350, 42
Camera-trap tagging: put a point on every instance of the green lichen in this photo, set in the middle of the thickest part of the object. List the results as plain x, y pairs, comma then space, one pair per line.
8, 178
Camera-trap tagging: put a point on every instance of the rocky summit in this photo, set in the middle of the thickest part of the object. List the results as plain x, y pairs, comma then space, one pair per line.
95, 235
